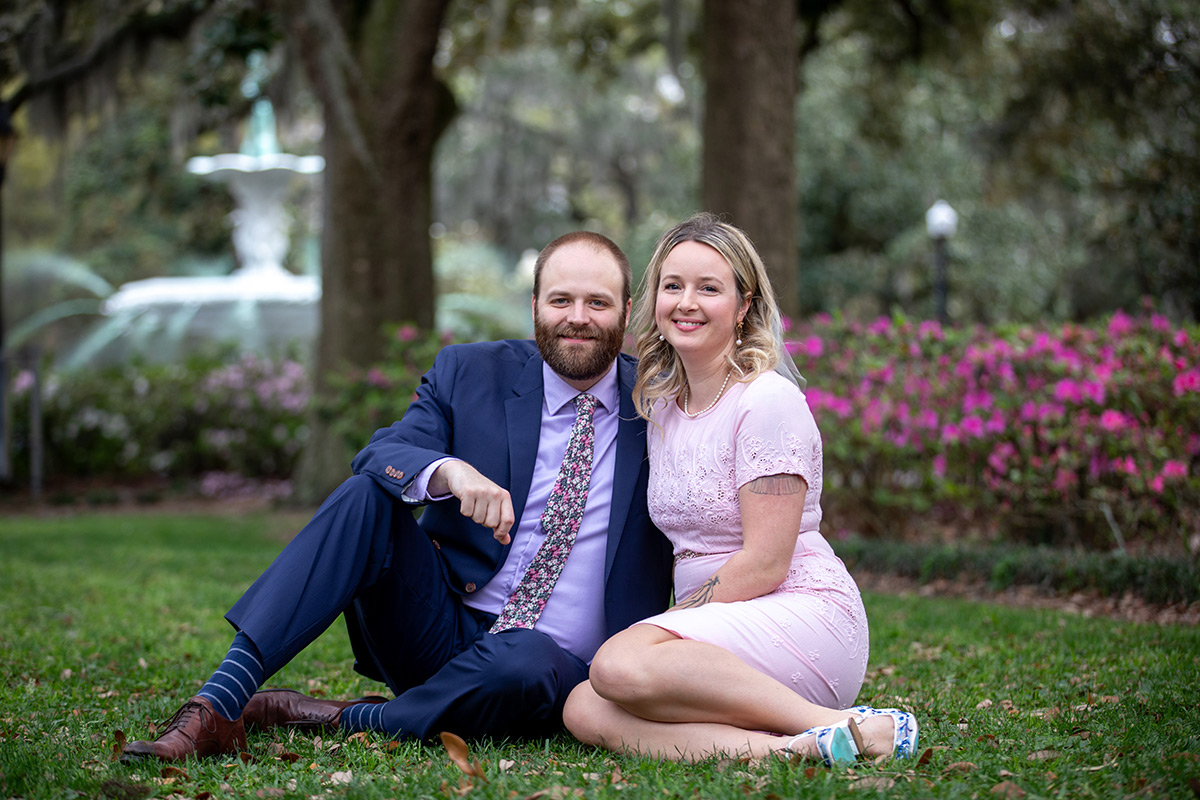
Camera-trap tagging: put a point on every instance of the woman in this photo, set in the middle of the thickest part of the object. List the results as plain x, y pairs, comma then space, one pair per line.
768, 639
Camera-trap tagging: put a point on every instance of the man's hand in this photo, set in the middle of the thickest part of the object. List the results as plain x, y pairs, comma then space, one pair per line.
482, 499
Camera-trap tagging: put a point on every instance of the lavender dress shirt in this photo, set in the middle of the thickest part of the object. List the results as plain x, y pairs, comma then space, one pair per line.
574, 615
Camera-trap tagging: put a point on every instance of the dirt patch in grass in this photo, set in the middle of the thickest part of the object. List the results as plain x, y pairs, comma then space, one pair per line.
1127, 607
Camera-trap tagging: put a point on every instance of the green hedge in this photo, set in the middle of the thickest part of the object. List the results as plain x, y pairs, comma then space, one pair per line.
1157, 579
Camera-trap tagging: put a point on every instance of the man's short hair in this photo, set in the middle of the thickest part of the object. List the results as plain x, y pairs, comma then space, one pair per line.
598, 242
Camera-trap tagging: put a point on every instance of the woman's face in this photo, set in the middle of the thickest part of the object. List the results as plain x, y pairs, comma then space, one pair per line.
697, 305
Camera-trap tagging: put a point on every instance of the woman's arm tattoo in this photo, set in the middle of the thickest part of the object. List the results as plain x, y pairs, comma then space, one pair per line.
702, 595
777, 484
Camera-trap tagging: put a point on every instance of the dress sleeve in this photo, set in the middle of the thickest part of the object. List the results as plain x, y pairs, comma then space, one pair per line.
776, 434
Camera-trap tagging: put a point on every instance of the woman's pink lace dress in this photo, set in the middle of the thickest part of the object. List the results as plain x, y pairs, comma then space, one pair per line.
811, 632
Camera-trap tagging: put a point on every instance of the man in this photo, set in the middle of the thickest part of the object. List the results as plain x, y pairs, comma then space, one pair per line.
475, 631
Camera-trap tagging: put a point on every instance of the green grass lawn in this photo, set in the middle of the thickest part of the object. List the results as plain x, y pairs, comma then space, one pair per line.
109, 621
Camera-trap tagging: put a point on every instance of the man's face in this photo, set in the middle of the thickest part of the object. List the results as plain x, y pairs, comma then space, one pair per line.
578, 317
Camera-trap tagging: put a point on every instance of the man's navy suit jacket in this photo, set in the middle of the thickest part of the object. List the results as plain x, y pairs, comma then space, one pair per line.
482, 403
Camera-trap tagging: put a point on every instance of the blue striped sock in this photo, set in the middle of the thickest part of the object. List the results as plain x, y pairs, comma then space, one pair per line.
236, 680
363, 717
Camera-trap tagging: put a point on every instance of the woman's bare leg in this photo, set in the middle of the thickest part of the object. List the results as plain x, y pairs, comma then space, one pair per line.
594, 720
655, 676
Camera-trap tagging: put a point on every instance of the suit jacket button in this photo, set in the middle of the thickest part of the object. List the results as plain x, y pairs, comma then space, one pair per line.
470, 587
437, 545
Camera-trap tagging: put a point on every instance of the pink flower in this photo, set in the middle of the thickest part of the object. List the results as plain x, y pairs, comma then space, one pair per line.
930, 329
1068, 391
813, 347
1156, 484
1174, 469
1160, 323
998, 460
939, 465
927, 418
1064, 479
1186, 382
406, 333
1120, 324
1126, 465
972, 426
951, 433
376, 378
1113, 421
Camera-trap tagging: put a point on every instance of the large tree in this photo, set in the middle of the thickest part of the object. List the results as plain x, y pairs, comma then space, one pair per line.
371, 65
749, 64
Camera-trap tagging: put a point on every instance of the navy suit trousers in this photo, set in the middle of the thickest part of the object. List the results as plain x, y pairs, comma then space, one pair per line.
364, 555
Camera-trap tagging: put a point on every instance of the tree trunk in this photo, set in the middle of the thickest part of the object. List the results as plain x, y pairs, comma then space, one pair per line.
750, 70
384, 111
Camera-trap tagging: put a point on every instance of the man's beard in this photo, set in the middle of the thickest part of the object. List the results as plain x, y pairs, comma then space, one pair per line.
588, 362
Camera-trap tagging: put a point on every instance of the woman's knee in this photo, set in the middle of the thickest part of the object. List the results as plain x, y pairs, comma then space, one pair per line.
582, 714
622, 671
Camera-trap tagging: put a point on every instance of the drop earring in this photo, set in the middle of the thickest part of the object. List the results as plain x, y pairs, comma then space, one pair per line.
739, 333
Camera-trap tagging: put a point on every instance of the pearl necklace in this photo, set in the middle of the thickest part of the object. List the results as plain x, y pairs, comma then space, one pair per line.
688, 389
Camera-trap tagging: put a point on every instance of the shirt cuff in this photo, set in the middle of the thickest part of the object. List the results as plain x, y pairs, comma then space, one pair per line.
416, 491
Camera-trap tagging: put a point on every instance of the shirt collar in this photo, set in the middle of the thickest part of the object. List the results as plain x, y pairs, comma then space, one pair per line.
558, 392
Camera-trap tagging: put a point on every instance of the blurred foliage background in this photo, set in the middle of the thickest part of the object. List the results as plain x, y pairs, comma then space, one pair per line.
1064, 134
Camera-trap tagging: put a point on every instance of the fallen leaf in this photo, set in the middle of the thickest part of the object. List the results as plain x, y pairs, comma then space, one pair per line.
555, 793
271, 792
1007, 789
118, 744
875, 782
961, 766
505, 764
984, 704
246, 758
341, 777
1043, 755
174, 772
456, 748
289, 758
925, 757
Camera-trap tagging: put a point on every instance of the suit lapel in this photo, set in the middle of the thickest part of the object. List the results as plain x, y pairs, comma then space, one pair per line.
523, 417
631, 455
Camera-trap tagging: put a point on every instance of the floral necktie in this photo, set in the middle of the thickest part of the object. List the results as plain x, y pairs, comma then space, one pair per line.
560, 521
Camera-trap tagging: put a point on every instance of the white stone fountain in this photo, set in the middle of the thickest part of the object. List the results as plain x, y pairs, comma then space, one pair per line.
260, 305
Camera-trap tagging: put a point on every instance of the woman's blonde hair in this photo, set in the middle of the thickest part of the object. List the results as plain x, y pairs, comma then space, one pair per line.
660, 372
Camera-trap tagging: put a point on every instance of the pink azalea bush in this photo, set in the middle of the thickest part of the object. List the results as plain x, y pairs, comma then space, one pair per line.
242, 415
368, 399
1084, 434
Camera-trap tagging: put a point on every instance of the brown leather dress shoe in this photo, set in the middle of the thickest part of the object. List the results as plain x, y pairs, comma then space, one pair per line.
271, 707
195, 730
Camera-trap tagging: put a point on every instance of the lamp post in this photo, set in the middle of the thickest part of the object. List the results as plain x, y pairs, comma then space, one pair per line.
8, 139
941, 221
